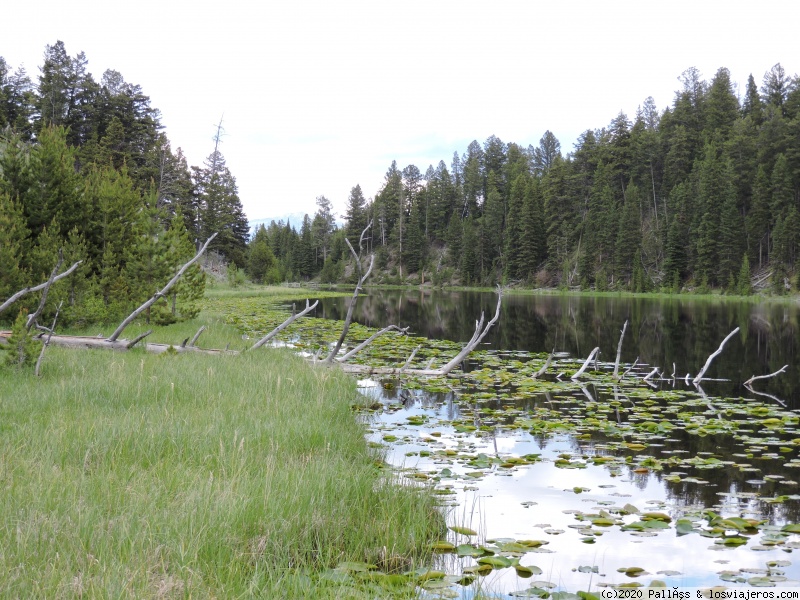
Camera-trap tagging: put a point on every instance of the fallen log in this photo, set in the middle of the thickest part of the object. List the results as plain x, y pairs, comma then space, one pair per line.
90, 342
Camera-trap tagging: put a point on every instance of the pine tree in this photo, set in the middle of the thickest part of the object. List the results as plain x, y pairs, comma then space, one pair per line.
744, 287
259, 256
356, 215
629, 236
13, 246
186, 296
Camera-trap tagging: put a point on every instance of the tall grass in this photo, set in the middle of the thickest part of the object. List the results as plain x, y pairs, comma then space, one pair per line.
130, 475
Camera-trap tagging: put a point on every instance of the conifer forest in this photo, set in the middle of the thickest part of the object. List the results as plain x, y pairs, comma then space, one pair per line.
702, 194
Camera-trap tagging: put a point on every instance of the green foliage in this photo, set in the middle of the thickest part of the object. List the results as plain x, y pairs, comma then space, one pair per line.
744, 287
22, 349
236, 277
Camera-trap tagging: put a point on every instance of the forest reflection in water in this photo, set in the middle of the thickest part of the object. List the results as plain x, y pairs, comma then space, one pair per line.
663, 332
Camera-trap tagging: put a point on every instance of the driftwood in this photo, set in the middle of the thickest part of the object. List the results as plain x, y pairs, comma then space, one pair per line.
284, 325
409, 359
36, 288
160, 294
480, 332
699, 377
477, 337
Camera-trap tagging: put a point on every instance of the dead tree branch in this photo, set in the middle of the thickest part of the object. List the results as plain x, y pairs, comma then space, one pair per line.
750, 381
369, 340
619, 349
284, 325
702, 372
589, 360
197, 335
139, 338
409, 359
47, 341
36, 288
43, 300
349, 317
160, 294
544, 368
480, 333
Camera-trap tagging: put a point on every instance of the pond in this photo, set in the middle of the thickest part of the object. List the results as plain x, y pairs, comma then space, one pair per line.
599, 482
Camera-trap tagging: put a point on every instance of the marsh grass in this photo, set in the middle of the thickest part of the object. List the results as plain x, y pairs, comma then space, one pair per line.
132, 475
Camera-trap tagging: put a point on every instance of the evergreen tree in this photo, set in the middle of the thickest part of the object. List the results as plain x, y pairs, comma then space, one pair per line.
260, 258
356, 215
629, 236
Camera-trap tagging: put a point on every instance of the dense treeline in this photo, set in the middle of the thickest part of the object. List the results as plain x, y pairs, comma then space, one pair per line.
704, 193
86, 168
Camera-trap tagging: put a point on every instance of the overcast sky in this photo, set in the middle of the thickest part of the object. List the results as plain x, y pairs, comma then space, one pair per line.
319, 96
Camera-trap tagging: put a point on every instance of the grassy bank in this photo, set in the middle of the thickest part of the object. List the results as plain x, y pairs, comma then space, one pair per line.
129, 475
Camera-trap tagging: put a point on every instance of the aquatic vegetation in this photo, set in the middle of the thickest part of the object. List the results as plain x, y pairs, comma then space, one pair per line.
725, 467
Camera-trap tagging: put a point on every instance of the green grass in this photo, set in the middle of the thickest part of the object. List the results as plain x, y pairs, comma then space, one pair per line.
131, 475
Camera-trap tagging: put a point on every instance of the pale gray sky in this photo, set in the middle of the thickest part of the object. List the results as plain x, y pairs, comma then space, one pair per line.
318, 96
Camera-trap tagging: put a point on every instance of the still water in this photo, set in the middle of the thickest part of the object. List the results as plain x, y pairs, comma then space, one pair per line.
662, 332
580, 493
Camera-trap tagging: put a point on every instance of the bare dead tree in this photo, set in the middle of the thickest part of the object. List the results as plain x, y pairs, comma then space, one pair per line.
160, 294
284, 325
43, 300
349, 318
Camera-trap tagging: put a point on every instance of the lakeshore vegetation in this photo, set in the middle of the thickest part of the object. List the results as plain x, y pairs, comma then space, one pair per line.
135, 475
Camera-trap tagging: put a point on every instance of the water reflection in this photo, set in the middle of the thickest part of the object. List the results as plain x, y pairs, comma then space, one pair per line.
540, 501
674, 333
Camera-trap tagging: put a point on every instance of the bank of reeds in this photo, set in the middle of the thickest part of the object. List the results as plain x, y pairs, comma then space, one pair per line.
131, 475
